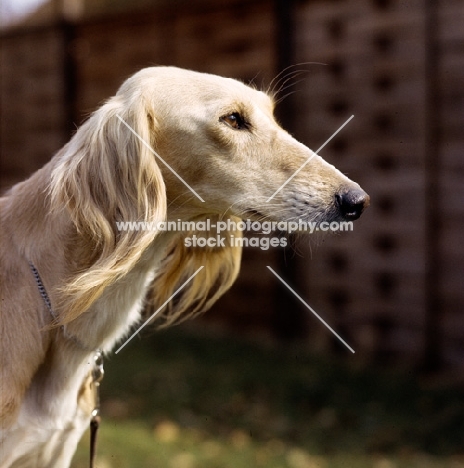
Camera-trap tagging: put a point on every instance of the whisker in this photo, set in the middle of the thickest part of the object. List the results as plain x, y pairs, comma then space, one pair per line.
275, 82
251, 82
287, 79
285, 96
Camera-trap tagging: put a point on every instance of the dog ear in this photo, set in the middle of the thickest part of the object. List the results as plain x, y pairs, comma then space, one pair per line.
221, 266
107, 174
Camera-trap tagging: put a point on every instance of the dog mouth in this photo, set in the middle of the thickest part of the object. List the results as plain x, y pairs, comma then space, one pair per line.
256, 215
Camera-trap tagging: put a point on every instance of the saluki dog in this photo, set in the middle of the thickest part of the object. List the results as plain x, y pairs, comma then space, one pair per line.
172, 144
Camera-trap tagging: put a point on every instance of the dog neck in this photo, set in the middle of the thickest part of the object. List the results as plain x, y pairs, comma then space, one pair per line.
110, 317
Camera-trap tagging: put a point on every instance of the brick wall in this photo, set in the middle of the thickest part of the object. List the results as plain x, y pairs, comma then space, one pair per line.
374, 284
451, 175
393, 287
32, 123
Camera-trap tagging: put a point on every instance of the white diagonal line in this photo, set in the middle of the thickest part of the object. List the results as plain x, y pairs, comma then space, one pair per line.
306, 162
159, 157
312, 310
160, 308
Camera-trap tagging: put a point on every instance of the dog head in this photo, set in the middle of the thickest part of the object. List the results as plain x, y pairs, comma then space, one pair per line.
177, 144
221, 137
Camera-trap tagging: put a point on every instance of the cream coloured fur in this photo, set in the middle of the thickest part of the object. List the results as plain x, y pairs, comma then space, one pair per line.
221, 136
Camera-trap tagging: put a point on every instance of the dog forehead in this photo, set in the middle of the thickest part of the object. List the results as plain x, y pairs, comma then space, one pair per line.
185, 87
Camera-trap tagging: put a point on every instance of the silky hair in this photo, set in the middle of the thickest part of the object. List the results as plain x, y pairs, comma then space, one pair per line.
72, 283
107, 174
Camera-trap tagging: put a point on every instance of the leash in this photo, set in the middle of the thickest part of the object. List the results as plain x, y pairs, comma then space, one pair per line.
97, 370
97, 376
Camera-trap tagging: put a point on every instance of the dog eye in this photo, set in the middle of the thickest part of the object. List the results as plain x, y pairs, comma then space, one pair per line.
235, 120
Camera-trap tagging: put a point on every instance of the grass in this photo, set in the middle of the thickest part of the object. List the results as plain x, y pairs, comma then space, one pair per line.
176, 400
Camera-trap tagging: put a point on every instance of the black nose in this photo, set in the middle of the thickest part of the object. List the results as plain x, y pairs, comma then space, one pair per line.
351, 203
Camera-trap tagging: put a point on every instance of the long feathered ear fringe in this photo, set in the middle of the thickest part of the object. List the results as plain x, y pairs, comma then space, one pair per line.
107, 175
221, 267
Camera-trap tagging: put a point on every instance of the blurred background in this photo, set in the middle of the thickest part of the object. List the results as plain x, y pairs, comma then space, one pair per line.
258, 381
